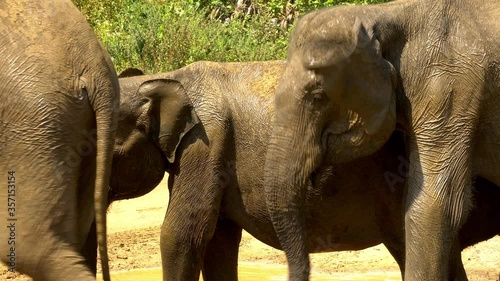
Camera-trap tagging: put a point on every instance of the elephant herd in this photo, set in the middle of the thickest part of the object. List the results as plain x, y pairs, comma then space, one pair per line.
382, 126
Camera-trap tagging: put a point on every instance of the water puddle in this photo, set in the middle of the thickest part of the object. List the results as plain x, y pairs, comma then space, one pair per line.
249, 271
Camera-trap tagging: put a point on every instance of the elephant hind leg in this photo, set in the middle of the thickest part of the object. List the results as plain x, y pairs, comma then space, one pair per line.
49, 258
45, 231
89, 250
48, 251
220, 262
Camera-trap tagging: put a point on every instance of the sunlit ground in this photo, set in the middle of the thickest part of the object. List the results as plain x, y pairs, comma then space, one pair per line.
249, 271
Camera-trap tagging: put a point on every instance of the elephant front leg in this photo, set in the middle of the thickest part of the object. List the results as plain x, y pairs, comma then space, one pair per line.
437, 205
220, 262
397, 249
186, 230
190, 220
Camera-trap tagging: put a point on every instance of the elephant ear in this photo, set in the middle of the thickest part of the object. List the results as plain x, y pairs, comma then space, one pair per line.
173, 110
130, 72
369, 80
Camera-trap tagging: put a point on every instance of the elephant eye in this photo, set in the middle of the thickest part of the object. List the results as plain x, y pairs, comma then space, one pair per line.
318, 95
142, 128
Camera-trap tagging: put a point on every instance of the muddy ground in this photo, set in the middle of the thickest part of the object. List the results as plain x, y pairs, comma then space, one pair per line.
134, 227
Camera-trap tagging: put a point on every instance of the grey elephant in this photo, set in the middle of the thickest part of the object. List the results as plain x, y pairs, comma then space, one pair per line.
58, 116
357, 73
208, 124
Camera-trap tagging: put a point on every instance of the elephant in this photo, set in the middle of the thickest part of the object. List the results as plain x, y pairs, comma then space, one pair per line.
59, 113
208, 125
356, 74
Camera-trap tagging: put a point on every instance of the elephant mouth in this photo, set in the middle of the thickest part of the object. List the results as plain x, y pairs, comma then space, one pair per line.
346, 141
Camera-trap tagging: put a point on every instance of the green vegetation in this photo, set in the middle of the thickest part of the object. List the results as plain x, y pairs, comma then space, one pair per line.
162, 35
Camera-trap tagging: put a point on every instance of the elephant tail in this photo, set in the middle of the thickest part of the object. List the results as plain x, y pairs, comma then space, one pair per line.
106, 126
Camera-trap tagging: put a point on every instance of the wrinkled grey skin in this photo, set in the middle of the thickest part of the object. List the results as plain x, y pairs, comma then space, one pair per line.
355, 73
58, 116
217, 118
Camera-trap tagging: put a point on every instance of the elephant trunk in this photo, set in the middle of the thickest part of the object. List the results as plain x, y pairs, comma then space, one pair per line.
289, 163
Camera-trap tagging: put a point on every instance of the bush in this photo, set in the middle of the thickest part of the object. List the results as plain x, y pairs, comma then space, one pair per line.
161, 35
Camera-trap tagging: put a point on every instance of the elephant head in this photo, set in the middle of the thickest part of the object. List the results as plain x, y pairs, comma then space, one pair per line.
154, 116
334, 102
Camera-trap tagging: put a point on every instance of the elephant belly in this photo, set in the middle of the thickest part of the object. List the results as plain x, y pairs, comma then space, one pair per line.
348, 224
339, 227
247, 207
350, 219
